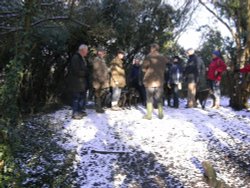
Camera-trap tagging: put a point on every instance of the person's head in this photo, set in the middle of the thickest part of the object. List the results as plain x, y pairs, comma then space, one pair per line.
136, 62
176, 59
83, 50
101, 52
154, 48
190, 51
216, 53
120, 54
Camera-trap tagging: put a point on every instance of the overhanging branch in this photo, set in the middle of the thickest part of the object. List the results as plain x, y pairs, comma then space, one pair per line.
58, 18
219, 18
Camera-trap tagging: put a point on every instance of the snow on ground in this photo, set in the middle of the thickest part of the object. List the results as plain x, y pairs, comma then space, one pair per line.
119, 149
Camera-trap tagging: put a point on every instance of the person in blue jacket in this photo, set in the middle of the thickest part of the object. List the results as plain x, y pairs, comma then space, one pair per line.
175, 80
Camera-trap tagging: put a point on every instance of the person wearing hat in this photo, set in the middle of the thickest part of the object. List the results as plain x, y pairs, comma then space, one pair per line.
78, 79
154, 68
118, 78
191, 74
214, 75
175, 80
100, 78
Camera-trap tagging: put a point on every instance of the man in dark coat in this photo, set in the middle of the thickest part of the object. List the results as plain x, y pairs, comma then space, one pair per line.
136, 80
154, 69
167, 87
78, 80
191, 74
175, 79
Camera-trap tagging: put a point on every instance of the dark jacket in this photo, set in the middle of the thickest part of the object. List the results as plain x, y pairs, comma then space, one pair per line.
154, 69
78, 73
175, 74
136, 75
167, 72
191, 71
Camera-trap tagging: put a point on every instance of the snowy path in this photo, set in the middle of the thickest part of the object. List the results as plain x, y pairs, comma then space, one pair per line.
157, 153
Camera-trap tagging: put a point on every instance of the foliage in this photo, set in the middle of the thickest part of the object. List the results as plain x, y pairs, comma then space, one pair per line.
38, 39
234, 14
52, 31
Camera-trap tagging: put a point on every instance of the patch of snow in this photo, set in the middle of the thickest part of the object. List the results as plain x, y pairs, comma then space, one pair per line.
142, 153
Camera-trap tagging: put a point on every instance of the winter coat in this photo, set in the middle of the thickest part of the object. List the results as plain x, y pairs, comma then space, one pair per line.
78, 74
202, 79
167, 72
191, 71
100, 74
118, 77
245, 69
136, 76
154, 69
215, 69
175, 74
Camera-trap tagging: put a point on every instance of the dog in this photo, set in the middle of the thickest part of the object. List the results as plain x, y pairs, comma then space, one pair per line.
128, 98
203, 95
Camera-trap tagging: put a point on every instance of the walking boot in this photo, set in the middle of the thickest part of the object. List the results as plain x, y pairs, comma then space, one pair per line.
216, 104
160, 111
148, 116
99, 106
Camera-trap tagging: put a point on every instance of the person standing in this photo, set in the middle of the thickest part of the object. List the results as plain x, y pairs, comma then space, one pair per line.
78, 79
154, 69
136, 80
175, 79
214, 75
167, 87
118, 78
191, 75
100, 78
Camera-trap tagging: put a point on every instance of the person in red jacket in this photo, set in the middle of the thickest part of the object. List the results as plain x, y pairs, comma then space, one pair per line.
245, 69
214, 75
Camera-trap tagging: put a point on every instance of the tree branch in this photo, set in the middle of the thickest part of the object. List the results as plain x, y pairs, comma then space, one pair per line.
9, 15
50, 19
50, 4
220, 19
58, 18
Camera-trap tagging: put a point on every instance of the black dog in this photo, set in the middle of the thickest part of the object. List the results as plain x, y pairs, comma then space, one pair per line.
128, 98
203, 95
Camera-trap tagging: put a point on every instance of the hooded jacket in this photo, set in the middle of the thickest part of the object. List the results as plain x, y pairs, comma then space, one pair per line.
215, 69
118, 77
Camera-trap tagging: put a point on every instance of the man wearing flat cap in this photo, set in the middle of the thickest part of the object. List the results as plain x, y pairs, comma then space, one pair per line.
118, 78
100, 78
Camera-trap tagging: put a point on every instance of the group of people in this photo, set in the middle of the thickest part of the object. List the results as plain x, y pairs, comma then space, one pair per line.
78, 79
155, 79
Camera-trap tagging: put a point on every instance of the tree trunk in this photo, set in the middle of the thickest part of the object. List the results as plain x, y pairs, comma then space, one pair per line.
241, 86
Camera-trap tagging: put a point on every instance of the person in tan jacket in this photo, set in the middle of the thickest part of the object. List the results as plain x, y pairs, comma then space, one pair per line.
153, 68
100, 78
118, 78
